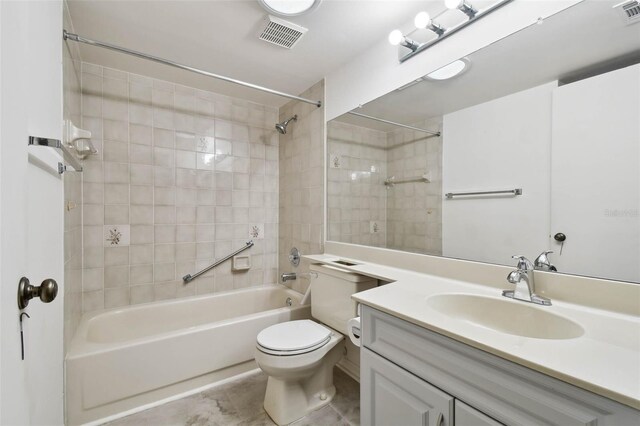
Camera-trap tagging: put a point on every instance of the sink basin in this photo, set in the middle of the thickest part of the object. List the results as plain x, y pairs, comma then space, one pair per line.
506, 316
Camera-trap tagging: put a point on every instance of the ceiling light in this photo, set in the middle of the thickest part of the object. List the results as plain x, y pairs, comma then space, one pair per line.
423, 20
397, 38
289, 7
450, 70
462, 6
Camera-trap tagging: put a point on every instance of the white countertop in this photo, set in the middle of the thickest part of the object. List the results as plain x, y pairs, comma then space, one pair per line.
604, 360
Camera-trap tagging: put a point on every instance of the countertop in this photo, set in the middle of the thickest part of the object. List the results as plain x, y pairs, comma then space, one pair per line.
604, 360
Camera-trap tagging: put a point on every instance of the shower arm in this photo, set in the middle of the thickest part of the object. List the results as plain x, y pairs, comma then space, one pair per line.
77, 38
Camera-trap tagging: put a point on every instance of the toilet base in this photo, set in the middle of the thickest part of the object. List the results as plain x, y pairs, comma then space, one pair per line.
289, 400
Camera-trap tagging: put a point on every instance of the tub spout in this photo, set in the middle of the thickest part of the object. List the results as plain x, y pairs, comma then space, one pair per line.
288, 276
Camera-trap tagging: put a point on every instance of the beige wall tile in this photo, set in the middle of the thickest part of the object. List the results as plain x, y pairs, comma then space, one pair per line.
188, 172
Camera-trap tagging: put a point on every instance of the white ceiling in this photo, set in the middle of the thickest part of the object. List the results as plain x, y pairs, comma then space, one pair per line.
221, 37
586, 37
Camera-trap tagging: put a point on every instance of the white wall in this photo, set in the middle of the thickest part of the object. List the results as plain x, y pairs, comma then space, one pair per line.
501, 144
31, 210
377, 71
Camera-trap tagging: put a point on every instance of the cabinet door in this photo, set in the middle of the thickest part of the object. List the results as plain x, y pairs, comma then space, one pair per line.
469, 416
390, 396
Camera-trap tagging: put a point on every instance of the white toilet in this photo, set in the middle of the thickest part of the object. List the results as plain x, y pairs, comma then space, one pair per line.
299, 356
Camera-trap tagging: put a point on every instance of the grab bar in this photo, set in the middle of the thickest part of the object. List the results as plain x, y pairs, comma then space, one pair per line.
514, 192
66, 154
190, 277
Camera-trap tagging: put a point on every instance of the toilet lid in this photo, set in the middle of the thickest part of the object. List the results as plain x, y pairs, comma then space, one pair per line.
293, 336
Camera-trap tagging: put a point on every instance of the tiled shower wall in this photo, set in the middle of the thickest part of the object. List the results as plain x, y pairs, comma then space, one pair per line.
183, 176
357, 168
302, 183
408, 216
72, 198
414, 210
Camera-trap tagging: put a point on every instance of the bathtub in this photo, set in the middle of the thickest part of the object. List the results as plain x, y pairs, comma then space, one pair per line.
127, 358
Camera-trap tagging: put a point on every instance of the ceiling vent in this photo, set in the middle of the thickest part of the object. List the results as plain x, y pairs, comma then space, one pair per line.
630, 11
281, 33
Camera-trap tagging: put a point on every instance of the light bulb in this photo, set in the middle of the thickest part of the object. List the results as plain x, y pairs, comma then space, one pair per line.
396, 37
422, 20
453, 4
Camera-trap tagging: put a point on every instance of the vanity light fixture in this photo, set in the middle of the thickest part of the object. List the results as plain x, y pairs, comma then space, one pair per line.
396, 38
462, 6
423, 21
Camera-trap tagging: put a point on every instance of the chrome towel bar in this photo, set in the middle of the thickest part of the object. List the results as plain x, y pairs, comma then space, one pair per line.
190, 277
66, 154
514, 192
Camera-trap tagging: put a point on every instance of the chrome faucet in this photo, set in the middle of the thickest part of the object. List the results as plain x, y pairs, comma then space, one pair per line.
524, 281
542, 262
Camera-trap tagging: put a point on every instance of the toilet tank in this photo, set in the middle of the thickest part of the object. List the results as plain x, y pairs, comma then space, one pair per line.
331, 291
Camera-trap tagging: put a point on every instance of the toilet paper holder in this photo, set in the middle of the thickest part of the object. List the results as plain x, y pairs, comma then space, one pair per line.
354, 330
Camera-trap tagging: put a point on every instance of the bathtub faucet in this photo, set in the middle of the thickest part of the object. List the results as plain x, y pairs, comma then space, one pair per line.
288, 276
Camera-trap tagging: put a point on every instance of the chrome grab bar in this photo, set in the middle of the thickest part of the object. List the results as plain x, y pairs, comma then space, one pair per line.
187, 278
66, 154
514, 192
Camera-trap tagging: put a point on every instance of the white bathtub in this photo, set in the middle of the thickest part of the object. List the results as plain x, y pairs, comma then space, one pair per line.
125, 358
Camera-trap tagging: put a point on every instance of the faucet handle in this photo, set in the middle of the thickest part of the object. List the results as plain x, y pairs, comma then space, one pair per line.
543, 263
523, 263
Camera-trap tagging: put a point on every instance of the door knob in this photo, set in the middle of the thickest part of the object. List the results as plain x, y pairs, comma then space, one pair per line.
47, 291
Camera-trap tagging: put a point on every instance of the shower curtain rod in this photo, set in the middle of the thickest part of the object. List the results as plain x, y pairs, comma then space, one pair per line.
80, 39
394, 123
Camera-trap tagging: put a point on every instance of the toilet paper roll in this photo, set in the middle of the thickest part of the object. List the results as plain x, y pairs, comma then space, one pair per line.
354, 330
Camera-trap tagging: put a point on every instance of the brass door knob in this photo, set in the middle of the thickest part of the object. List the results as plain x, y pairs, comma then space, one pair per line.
47, 291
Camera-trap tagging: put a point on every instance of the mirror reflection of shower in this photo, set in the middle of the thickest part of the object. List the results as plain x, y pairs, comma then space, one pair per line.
282, 127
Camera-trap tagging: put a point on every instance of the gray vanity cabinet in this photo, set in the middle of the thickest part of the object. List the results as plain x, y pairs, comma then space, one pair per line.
413, 376
469, 416
396, 397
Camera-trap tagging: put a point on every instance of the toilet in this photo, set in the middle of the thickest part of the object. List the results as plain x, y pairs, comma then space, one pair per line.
299, 356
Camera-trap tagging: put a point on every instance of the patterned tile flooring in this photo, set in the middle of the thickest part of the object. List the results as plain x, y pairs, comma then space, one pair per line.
240, 403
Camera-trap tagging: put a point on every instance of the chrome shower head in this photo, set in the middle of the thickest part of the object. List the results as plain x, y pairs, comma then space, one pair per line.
282, 127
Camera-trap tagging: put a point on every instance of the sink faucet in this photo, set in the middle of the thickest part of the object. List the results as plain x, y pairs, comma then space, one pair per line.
524, 281
542, 262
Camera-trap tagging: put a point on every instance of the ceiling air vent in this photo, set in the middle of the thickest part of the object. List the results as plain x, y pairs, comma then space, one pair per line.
281, 33
630, 11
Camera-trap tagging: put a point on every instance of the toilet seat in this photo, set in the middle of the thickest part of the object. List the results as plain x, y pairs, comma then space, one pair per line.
293, 338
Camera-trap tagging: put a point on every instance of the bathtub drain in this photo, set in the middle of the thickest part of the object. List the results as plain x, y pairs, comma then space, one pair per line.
289, 301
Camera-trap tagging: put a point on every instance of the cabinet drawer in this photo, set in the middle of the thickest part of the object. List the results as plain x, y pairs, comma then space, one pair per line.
469, 416
507, 392
390, 396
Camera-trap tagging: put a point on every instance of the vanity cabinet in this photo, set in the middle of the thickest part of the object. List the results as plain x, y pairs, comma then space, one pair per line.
413, 376
469, 416
395, 397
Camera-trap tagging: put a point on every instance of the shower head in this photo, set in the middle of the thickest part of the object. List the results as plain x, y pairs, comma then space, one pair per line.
282, 127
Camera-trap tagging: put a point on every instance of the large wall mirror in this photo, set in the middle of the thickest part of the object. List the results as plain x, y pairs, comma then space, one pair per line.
533, 146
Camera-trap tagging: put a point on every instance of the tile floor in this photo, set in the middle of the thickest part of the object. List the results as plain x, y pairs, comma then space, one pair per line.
240, 403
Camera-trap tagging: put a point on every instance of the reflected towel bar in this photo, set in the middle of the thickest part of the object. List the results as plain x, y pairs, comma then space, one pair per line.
392, 180
190, 277
66, 154
514, 192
